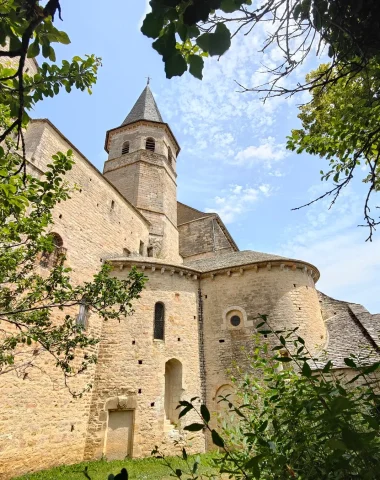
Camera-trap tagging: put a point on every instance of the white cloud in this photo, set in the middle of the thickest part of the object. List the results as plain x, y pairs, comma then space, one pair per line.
266, 153
331, 241
238, 200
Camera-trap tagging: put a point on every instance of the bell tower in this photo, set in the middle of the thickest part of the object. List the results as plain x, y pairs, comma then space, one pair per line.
142, 155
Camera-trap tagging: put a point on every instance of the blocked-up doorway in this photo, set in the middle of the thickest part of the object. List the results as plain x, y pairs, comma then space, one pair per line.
173, 389
119, 440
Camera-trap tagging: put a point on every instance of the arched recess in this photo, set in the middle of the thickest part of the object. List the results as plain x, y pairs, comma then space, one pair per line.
51, 259
221, 406
173, 389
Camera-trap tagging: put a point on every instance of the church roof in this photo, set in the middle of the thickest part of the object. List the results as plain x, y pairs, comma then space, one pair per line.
233, 259
144, 109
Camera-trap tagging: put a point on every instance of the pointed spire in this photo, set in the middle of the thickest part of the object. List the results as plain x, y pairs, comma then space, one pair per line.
144, 109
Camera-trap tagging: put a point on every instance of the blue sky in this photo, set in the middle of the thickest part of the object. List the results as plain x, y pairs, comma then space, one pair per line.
233, 157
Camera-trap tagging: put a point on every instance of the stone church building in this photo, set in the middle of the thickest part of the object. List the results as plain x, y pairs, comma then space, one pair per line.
198, 308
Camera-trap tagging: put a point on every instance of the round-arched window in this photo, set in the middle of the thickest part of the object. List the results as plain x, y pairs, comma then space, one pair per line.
159, 321
150, 144
235, 320
125, 148
51, 259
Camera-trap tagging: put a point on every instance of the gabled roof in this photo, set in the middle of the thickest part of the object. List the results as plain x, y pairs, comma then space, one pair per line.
144, 109
187, 214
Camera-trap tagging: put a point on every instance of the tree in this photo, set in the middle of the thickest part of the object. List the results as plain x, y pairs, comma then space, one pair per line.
26, 29
341, 124
295, 417
187, 31
39, 306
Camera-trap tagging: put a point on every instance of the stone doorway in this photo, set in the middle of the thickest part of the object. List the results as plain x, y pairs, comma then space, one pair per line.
119, 439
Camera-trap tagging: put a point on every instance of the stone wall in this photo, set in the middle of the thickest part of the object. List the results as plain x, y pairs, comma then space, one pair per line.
201, 238
286, 295
41, 424
148, 180
132, 363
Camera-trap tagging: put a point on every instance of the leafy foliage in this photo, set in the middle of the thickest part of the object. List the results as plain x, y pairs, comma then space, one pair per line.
31, 295
39, 306
189, 28
26, 30
341, 124
295, 417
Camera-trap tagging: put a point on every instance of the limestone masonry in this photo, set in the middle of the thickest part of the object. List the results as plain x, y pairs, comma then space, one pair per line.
198, 309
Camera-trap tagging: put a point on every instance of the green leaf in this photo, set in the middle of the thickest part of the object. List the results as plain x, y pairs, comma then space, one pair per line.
336, 444
220, 40
306, 370
371, 368
52, 54
175, 66
185, 411
229, 6
205, 413
253, 465
203, 41
327, 367
152, 25
192, 31
196, 66
182, 30
184, 454
166, 43
297, 10
194, 427
34, 49
349, 362
62, 37
217, 439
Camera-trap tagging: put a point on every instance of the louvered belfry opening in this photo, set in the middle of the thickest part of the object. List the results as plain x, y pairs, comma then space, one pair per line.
159, 321
125, 148
150, 144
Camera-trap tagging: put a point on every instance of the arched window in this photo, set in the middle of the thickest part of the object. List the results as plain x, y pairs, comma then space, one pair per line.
170, 156
150, 144
125, 148
82, 314
159, 321
51, 259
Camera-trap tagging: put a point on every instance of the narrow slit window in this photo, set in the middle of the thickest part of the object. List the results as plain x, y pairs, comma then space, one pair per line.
141, 249
150, 144
159, 321
125, 148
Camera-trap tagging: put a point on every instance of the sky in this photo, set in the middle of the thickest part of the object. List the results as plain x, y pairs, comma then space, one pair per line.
233, 159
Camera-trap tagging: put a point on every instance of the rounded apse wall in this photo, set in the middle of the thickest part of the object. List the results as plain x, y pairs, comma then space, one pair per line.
232, 301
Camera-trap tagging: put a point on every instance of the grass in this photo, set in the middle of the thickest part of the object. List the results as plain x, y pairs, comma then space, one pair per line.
142, 469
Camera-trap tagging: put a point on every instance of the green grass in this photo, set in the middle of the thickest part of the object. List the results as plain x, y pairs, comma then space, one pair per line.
142, 469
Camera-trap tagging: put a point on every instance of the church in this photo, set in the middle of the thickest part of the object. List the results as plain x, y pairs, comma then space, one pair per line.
197, 311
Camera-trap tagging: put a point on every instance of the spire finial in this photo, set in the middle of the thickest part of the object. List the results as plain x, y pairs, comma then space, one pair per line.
148, 79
